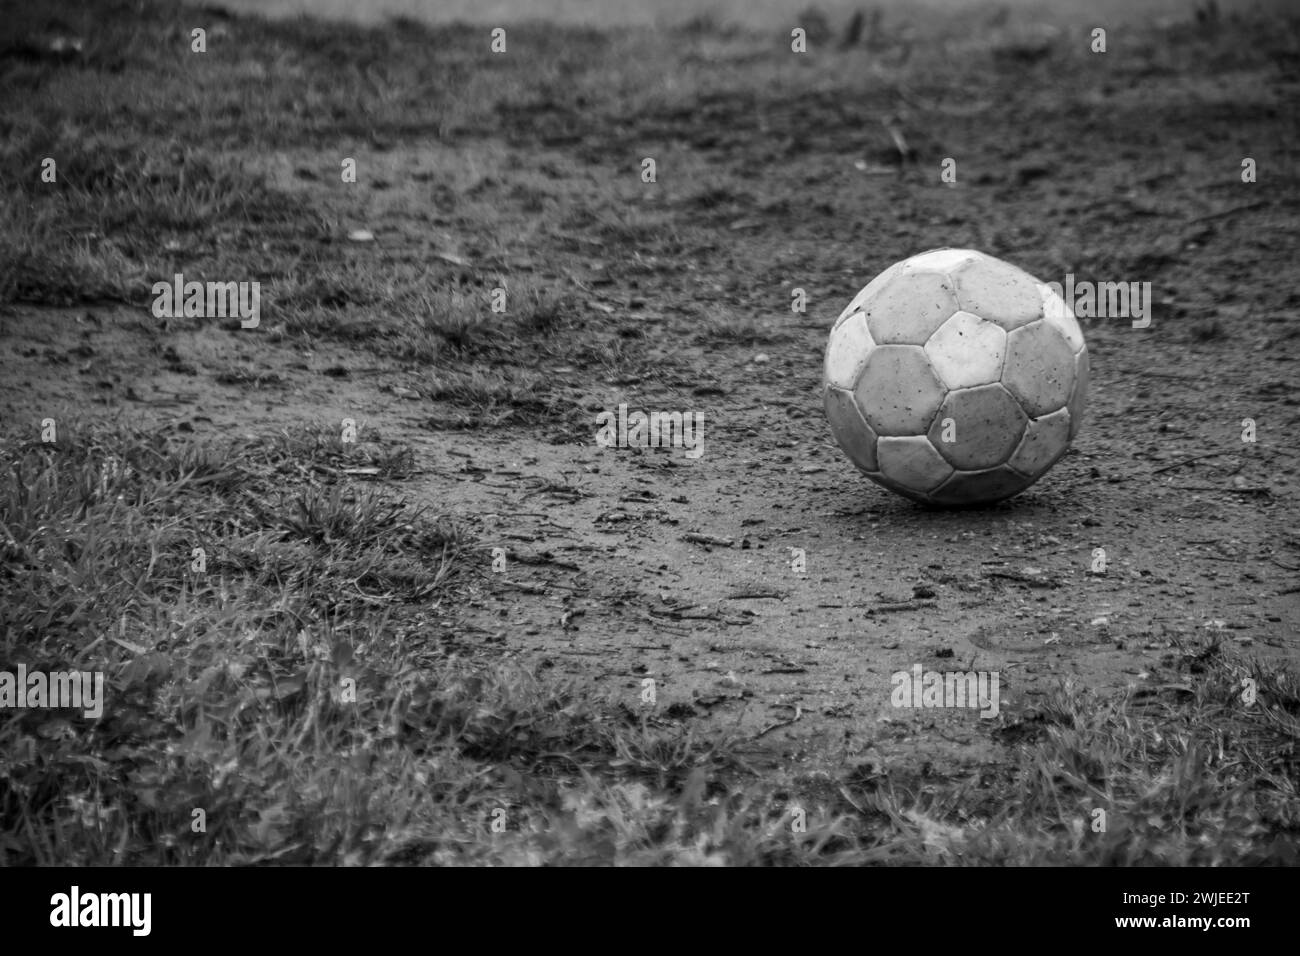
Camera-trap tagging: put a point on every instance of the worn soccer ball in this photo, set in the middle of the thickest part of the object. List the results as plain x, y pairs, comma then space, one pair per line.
955, 378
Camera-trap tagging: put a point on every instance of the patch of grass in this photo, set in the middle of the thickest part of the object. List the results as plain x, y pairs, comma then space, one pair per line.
43, 260
1188, 775
105, 229
489, 390
223, 613
452, 322
616, 357
546, 311
314, 287
496, 397
409, 313
322, 451
463, 324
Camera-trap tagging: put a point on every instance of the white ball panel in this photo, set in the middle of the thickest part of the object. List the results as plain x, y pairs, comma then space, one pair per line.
967, 351
1045, 440
847, 351
912, 462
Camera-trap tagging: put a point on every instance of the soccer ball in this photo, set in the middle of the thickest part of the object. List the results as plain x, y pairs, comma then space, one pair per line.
954, 378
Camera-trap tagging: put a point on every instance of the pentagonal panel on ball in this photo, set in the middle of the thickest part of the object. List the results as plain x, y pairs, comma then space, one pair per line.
981, 487
1040, 369
967, 351
985, 425
909, 307
897, 391
1046, 440
911, 463
1079, 397
999, 292
847, 351
851, 431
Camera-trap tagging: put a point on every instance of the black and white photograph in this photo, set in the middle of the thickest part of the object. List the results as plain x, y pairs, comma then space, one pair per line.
613, 433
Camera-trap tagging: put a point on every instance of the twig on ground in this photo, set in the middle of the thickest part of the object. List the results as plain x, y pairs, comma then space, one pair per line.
798, 712
542, 557
522, 586
891, 607
696, 538
1188, 461
1230, 212
746, 594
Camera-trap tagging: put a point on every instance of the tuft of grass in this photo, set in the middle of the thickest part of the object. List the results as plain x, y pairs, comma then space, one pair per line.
496, 397
461, 325
545, 312
322, 451
44, 260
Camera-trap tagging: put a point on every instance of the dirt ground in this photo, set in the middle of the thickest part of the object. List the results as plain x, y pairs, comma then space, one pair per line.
1120, 167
